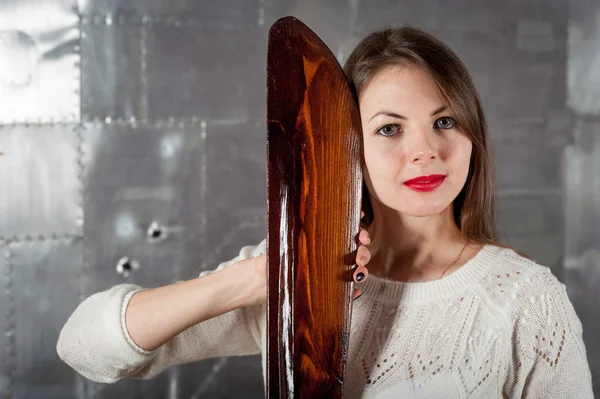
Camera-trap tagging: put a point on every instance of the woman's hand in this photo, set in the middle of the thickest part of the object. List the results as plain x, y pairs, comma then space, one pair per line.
363, 256
257, 267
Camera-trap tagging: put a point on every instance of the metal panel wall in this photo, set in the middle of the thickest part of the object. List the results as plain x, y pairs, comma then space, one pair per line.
135, 130
582, 174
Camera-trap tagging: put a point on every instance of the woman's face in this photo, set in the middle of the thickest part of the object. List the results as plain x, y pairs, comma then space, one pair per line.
409, 133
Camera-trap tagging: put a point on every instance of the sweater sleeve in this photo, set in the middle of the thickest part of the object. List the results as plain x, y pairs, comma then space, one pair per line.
95, 342
549, 358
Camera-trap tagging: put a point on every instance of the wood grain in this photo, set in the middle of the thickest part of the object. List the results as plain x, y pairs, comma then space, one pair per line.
314, 183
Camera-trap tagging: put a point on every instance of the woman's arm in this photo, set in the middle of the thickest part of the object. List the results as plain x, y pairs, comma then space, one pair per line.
127, 331
156, 315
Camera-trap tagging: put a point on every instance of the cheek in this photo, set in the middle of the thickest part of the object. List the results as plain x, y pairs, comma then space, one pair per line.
457, 154
377, 168
382, 160
465, 155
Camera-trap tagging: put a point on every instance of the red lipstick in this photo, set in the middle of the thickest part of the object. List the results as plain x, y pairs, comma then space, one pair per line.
425, 183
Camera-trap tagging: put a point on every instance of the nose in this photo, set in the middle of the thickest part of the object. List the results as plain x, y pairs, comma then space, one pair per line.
423, 156
421, 147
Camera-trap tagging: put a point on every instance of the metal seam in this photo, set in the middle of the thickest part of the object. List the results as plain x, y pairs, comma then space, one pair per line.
83, 99
109, 19
81, 215
170, 122
77, 77
38, 237
133, 123
9, 332
37, 124
81, 383
203, 193
144, 72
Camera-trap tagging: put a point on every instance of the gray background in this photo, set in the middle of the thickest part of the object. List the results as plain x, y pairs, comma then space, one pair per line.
119, 113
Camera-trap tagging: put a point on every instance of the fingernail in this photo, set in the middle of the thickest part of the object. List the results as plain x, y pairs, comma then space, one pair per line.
359, 295
360, 277
363, 261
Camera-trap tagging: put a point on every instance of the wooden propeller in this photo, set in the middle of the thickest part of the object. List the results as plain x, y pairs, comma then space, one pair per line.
314, 183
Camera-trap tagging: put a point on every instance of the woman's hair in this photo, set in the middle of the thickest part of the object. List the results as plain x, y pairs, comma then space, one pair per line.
474, 207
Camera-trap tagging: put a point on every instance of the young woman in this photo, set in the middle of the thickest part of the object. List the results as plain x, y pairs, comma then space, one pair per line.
447, 311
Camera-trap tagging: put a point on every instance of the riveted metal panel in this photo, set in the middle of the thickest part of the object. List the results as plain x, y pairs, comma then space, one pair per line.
40, 187
40, 67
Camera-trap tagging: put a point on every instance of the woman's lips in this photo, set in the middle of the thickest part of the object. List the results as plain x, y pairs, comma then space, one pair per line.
425, 183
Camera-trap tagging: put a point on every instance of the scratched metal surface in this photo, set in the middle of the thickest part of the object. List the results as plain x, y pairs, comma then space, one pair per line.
135, 129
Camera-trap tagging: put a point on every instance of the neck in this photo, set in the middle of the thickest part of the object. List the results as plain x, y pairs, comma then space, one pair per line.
411, 248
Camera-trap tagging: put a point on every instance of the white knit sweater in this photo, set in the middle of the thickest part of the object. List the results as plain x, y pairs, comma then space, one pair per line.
500, 326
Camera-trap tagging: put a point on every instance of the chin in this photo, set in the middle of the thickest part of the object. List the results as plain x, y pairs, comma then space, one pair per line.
423, 210
423, 207
411, 203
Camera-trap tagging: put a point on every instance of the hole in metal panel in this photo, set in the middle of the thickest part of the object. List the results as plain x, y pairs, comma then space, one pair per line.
126, 266
156, 232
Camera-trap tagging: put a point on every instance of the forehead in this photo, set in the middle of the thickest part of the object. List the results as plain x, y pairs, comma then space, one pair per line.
401, 86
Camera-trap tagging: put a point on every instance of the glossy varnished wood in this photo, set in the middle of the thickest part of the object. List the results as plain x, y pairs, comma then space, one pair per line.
313, 203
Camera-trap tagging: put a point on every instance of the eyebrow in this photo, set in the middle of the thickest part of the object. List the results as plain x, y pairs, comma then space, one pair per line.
398, 116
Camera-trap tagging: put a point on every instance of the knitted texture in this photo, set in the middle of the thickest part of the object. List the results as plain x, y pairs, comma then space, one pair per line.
501, 326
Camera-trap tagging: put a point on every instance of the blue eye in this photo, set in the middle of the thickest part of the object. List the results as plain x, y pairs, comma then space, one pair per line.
389, 130
445, 122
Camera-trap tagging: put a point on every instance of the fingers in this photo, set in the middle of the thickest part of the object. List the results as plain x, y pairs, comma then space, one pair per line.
363, 237
363, 256
360, 274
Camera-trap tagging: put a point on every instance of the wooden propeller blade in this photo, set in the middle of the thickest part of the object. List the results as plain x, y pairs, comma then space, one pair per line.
314, 183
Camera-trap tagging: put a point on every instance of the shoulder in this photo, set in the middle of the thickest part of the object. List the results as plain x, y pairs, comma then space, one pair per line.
532, 298
505, 260
513, 280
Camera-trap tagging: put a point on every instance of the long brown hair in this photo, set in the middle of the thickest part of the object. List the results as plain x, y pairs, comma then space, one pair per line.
474, 207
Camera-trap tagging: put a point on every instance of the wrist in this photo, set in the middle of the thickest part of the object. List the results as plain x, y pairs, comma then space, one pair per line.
248, 289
